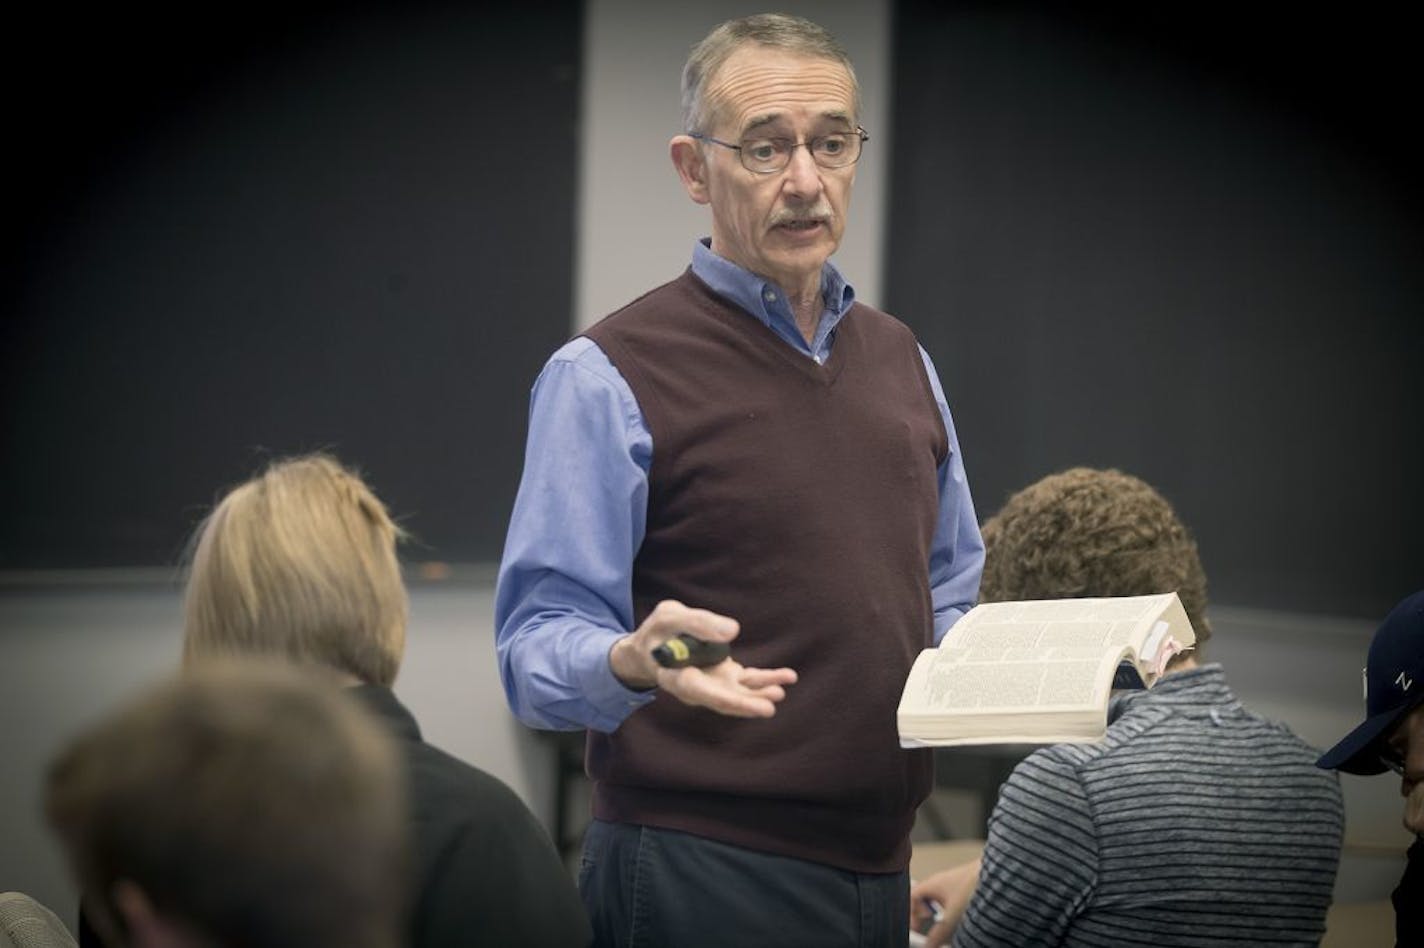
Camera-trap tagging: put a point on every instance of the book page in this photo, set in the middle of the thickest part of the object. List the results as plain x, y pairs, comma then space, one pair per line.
1058, 677
1038, 624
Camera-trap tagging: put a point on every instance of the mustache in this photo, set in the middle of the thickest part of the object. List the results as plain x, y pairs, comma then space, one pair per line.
820, 212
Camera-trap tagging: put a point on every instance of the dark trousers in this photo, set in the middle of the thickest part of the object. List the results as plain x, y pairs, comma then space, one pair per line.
654, 888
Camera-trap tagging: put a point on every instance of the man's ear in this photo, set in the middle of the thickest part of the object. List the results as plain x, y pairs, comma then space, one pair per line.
691, 165
145, 926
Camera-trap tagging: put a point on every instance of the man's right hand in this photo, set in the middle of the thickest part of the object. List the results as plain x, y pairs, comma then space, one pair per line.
728, 687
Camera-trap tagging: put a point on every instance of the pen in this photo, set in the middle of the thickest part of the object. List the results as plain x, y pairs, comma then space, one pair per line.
934, 905
917, 938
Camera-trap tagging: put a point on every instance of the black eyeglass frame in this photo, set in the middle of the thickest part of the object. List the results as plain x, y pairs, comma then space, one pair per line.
809, 144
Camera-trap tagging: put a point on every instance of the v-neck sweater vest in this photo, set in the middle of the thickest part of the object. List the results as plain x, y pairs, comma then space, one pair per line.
800, 499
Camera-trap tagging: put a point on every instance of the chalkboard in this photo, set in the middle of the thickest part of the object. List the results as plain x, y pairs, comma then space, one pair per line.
1185, 243
246, 232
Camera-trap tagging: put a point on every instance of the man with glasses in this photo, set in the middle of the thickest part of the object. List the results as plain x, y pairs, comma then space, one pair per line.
749, 456
1392, 739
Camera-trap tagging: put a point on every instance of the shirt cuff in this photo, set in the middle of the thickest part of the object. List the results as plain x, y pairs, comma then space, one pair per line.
611, 700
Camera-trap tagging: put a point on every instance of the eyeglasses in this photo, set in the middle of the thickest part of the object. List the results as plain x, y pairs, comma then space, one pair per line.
770, 155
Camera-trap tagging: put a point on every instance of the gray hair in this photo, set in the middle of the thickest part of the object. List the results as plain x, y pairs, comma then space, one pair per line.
776, 30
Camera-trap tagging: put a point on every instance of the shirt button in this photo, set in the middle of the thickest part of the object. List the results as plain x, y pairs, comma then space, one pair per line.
770, 296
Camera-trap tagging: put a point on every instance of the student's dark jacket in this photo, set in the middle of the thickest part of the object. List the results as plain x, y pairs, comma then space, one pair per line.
489, 874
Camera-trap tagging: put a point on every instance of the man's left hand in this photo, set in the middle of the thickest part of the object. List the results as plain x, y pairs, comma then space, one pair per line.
729, 687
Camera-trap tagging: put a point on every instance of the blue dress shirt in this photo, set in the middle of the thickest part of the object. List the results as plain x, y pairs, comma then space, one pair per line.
564, 593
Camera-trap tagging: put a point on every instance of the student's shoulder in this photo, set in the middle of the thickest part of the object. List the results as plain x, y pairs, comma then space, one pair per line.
1073, 760
1054, 765
438, 775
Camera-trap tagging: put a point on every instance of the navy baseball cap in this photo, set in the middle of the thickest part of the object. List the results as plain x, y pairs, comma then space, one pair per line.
1394, 686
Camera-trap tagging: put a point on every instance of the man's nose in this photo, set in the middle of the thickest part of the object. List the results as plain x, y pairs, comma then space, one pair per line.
803, 175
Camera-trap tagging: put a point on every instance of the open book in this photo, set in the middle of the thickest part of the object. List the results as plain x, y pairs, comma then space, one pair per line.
1038, 671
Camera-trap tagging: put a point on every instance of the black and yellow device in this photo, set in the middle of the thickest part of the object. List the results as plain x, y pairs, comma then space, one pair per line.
685, 650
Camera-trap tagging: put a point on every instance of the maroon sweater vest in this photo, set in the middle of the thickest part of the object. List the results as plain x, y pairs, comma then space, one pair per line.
800, 499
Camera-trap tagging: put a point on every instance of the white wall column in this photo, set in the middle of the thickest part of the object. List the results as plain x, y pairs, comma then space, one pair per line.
636, 225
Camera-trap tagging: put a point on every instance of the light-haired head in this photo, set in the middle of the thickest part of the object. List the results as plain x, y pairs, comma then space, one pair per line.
1084, 533
241, 803
299, 562
774, 30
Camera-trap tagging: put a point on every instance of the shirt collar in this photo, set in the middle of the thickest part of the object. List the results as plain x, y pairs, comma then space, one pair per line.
1203, 686
762, 298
